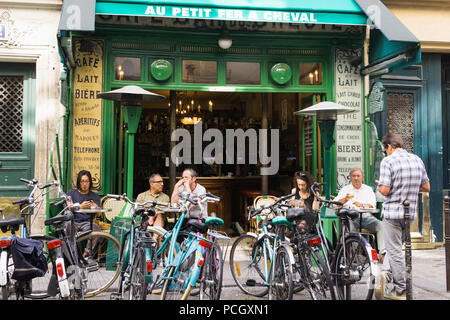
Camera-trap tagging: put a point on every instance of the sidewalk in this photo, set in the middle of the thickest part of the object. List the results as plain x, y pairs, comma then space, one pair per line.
429, 275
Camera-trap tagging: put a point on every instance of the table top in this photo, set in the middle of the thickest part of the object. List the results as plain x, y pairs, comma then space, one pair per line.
93, 210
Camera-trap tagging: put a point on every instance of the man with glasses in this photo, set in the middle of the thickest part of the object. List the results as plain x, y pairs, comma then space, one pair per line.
402, 177
155, 194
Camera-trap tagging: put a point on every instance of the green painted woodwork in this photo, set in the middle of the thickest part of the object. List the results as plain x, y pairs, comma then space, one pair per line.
131, 116
16, 165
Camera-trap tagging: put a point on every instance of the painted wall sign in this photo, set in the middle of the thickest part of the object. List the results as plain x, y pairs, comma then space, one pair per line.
228, 14
349, 127
377, 98
87, 110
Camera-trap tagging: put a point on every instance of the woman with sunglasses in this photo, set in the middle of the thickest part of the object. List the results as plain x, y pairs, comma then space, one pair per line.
303, 198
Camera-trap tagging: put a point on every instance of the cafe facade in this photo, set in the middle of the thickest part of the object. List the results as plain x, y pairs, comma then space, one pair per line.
233, 74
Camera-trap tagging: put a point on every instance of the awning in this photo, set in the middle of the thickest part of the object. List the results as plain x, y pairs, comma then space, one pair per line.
289, 11
392, 45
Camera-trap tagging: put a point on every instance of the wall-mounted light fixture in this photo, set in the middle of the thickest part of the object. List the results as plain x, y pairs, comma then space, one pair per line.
225, 41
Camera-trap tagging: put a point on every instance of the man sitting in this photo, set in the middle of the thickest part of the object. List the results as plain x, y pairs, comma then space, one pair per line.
359, 195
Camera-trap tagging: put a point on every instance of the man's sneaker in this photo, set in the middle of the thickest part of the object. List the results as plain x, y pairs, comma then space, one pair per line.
395, 296
380, 286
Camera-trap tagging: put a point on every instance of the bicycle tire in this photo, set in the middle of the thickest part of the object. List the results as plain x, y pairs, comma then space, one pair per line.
212, 274
248, 276
138, 287
361, 286
281, 277
99, 278
321, 285
5, 292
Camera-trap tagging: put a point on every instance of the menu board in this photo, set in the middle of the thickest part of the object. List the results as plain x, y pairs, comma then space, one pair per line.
349, 127
87, 110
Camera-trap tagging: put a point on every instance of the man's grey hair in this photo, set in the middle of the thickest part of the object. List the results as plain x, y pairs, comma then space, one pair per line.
152, 176
356, 169
192, 171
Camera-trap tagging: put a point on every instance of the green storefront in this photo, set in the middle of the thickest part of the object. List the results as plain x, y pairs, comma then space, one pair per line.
233, 65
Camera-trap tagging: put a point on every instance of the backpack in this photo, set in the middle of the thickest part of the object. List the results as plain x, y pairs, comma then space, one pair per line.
29, 259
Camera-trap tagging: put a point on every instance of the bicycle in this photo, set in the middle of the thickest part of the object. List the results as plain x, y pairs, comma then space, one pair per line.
89, 270
181, 263
21, 288
252, 256
352, 262
313, 272
137, 250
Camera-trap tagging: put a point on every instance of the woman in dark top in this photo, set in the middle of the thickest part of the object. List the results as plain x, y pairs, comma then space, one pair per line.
87, 199
303, 197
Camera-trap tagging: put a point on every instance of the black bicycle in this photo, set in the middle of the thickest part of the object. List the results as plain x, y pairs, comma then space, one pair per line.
352, 260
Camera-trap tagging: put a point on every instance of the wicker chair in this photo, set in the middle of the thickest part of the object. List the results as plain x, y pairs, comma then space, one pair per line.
257, 203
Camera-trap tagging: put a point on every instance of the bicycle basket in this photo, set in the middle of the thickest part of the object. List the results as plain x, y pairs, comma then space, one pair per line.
28, 257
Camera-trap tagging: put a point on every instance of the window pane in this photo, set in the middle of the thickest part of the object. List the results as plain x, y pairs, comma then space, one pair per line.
127, 68
243, 72
11, 113
311, 74
196, 71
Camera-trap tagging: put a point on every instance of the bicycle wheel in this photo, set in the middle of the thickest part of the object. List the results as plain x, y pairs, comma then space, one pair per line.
138, 286
321, 284
40, 285
177, 286
354, 278
281, 277
247, 265
212, 274
99, 254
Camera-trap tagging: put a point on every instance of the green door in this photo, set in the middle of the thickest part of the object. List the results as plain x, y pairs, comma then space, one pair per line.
17, 128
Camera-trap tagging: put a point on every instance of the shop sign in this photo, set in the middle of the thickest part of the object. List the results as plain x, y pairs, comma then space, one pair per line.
349, 127
377, 98
228, 14
87, 110
2, 32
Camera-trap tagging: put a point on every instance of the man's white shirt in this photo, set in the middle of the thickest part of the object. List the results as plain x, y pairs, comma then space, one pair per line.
364, 195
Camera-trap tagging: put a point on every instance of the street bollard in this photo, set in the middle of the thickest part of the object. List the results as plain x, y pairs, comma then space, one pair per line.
409, 291
447, 240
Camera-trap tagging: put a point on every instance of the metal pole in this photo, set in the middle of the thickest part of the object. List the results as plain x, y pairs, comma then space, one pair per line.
173, 126
447, 240
408, 261
265, 125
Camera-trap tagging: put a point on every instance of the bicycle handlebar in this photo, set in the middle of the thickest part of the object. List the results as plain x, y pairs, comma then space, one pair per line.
153, 203
271, 206
313, 191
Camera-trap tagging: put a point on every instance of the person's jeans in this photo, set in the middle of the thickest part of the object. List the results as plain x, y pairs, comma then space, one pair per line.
394, 265
372, 224
84, 226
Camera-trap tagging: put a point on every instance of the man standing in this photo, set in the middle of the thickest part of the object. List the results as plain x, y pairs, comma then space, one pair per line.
360, 195
188, 183
402, 177
155, 194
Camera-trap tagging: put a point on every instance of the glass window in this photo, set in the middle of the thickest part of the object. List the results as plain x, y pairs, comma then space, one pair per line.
311, 74
196, 71
127, 68
243, 73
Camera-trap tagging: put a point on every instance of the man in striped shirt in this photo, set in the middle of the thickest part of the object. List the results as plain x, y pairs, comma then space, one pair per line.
402, 177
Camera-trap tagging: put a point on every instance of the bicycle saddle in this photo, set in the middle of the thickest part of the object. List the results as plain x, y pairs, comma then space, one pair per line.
11, 222
293, 214
58, 219
196, 226
352, 214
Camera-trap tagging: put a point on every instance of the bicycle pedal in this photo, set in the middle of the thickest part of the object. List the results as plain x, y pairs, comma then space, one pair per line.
115, 296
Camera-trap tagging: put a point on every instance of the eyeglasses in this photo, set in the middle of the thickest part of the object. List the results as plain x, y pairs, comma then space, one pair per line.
157, 181
84, 181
